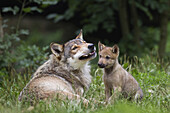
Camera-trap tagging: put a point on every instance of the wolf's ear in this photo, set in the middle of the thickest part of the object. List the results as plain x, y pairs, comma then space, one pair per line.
115, 49
56, 49
101, 46
80, 36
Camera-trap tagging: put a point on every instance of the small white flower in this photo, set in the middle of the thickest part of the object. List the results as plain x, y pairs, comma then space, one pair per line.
150, 91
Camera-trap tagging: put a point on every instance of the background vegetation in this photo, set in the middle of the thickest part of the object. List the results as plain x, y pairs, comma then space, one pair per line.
141, 28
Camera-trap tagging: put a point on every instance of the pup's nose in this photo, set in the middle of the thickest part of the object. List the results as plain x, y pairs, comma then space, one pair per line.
91, 46
101, 65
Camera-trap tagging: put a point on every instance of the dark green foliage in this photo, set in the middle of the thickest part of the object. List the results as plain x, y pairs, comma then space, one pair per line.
19, 55
159, 5
31, 56
93, 14
14, 10
104, 15
43, 39
149, 41
6, 48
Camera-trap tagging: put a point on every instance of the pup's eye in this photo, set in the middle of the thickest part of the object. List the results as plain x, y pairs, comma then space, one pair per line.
107, 57
100, 56
75, 47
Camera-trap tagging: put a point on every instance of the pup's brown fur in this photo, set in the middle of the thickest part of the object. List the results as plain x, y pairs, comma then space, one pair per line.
115, 77
66, 74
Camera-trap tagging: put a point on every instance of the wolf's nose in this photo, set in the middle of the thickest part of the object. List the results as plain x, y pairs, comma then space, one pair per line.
101, 65
91, 46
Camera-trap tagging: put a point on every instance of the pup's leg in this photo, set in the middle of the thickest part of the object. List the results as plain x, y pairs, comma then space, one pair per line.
108, 93
117, 91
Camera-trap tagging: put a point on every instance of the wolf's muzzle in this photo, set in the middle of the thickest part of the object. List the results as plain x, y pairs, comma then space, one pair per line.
91, 53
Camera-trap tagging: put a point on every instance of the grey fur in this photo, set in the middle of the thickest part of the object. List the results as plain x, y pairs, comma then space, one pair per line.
57, 66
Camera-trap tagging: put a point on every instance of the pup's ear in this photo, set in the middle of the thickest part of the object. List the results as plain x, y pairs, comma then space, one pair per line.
80, 36
101, 46
115, 49
56, 49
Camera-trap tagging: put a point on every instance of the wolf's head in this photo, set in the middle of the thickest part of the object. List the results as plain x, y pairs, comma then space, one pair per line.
107, 55
76, 52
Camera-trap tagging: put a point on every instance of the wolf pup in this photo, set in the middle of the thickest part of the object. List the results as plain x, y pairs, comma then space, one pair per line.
66, 74
115, 77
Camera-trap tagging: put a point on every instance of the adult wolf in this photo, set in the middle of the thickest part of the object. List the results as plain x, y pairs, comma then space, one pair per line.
66, 74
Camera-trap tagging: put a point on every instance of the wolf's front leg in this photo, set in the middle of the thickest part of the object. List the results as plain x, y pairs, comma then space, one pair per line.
138, 95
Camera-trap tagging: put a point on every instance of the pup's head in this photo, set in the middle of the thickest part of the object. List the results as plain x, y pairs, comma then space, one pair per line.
107, 55
76, 52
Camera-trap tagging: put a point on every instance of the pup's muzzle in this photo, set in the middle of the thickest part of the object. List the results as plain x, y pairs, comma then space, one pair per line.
101, 65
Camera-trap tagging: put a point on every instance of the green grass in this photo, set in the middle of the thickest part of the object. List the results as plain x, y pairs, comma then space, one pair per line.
150, 74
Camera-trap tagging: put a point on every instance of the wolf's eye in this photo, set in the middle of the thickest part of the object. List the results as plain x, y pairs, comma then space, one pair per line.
107, 57
75, 47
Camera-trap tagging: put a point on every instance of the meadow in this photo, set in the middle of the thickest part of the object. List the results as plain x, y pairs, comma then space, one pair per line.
151, 74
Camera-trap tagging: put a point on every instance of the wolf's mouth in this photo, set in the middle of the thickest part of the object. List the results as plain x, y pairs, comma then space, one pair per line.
91, 54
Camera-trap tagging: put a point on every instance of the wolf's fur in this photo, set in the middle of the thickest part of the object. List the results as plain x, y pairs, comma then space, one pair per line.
115, 77
66, 73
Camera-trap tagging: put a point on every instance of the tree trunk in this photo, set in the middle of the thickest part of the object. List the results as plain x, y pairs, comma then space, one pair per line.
163, 33
136, 29
1, 28
122, 7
